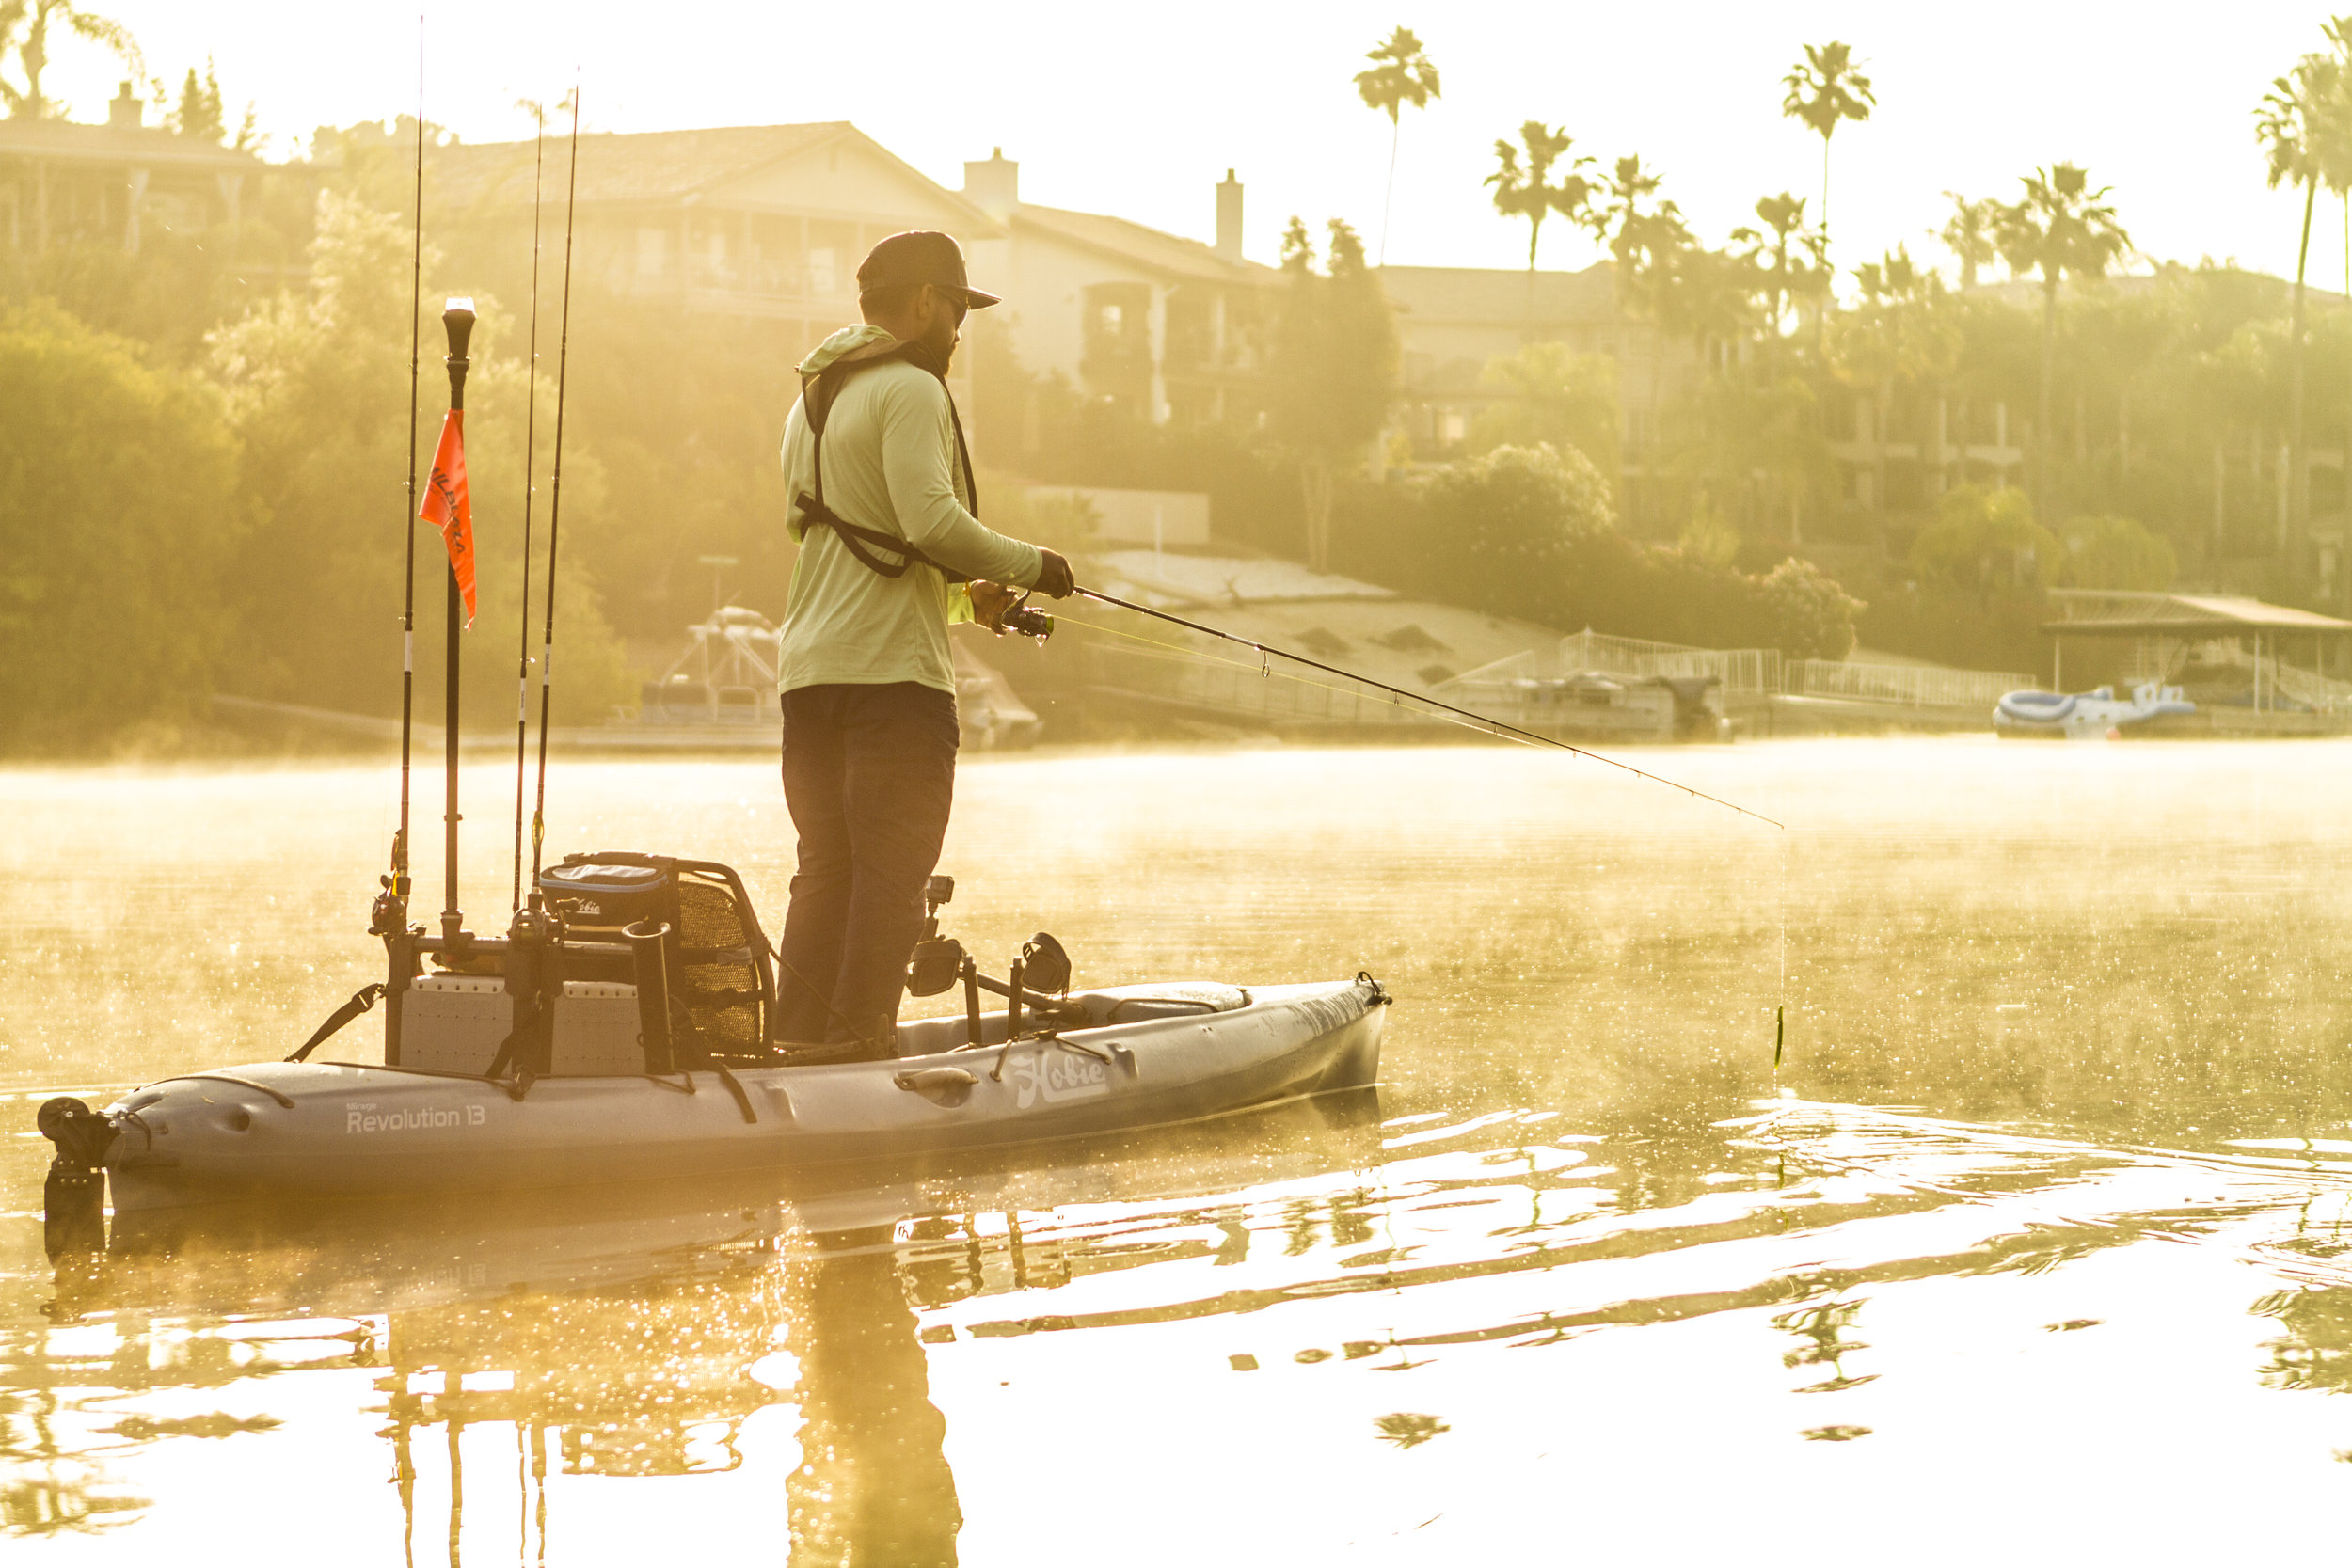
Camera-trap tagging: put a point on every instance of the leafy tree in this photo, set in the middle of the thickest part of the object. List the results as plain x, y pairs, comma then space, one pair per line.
1503, 531
1526, 191
1808, 614
1552, 395
1983, 540
1824, 91
1401, 73
2114, 553
2060, 227
118, 496
315, 384
1333, 368
24, 30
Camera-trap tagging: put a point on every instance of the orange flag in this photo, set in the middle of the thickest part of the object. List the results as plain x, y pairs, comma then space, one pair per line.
447, 506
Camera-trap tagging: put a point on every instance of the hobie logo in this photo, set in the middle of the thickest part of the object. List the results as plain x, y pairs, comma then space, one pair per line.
1056, 1076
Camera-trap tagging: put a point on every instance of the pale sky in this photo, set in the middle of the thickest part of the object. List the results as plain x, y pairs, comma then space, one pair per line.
1138, 110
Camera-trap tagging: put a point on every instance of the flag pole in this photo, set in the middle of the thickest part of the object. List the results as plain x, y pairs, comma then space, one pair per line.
449, 487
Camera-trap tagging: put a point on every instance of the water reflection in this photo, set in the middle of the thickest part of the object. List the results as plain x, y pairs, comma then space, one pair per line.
2051, 1199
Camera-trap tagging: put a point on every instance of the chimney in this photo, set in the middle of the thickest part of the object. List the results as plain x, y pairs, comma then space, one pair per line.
1229, 218
993, 186
126, 111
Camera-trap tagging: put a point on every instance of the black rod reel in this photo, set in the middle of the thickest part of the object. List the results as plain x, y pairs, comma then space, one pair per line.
73, 1198
1039, 979
1027, 620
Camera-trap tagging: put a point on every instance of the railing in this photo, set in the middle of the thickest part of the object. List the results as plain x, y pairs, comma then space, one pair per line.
1742, 672
1911, 685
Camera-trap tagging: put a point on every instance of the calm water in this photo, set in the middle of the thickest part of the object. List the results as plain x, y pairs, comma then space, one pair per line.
2032, 1246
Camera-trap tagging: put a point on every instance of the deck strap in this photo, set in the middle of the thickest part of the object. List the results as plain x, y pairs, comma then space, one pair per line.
361, 1000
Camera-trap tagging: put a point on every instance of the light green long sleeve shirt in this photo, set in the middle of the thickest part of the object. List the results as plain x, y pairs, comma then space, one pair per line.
891, 465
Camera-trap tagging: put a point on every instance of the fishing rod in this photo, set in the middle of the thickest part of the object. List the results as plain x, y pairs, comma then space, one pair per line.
555, 501
531, 451
396, 886
1495, 727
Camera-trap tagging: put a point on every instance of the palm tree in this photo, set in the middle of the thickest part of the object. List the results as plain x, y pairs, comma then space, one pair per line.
2290, 123
1823, 90
1784, 215
34, 19
1969, 236
1528, 193
1902, 332
2061, 226
1401, 73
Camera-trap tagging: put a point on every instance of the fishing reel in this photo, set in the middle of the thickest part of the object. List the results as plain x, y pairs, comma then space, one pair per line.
1028, 620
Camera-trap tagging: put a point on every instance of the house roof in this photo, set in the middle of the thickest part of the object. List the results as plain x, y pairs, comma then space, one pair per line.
2098, 612
1134, 242
651, 166
1431, 295
71, 141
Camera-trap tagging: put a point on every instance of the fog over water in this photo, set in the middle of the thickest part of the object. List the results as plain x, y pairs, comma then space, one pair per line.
2031, 1244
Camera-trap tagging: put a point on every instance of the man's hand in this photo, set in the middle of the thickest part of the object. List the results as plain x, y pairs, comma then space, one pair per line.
1054, 579
990, 600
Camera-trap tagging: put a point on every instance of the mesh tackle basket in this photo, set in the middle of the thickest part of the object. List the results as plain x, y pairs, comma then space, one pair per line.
718, 962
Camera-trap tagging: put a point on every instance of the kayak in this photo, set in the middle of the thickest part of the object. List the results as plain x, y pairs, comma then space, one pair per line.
1143, 1056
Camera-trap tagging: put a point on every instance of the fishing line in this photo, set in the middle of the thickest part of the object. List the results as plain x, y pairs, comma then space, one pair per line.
399, 888
555, 499
530, 452
1491, 726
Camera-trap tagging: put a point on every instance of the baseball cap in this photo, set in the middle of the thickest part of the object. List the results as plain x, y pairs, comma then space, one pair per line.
919, 256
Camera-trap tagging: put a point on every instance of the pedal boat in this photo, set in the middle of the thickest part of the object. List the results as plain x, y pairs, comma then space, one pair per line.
1148, 1056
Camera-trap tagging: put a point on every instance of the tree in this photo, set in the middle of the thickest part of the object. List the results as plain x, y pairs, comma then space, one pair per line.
119, 499
24, 28
1401, 73
1526, 192
2292, 121
1971, 234
2060, 227
1548, 394
2114, 553
310, 381
1899, 332
198, 113
1333, 369
1784, 216
1825, 88
1809, 615
1983, 540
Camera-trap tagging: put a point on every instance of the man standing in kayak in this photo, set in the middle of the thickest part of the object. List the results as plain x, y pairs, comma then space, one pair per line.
885, 509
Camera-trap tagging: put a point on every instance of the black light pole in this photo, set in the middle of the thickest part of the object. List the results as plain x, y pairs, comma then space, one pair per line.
457, 321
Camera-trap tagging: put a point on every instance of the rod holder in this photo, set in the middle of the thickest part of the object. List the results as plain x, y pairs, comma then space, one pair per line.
647, 942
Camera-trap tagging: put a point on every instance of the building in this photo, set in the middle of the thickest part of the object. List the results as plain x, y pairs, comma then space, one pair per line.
760, 223
117, 184
1167, 328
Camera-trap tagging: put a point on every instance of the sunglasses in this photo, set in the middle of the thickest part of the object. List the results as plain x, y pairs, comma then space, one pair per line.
955, 301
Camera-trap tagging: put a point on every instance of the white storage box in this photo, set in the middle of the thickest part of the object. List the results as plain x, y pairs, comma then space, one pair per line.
596, 1031
453, 1022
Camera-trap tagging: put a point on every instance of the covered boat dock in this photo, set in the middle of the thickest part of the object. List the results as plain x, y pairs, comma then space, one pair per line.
2278, 657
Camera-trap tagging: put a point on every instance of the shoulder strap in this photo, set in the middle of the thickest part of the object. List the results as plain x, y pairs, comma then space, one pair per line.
818, 393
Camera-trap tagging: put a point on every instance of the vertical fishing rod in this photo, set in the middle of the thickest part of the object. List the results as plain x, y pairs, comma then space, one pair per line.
457, 321
530, 452
396, 887
555, 501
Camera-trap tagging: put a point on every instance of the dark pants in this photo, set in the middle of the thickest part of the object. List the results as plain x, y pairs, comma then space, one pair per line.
869, 772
